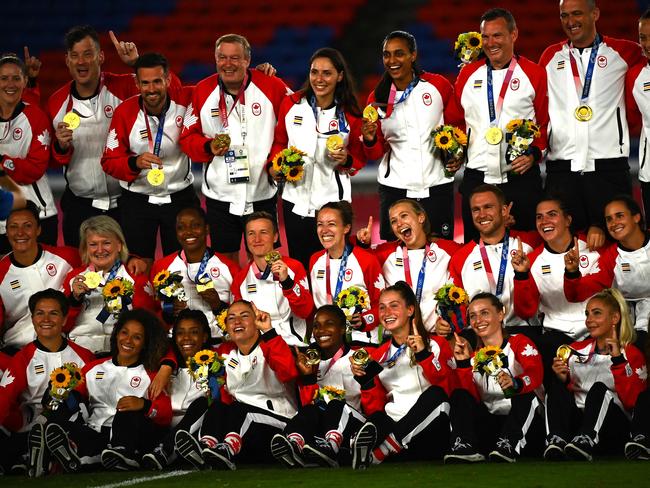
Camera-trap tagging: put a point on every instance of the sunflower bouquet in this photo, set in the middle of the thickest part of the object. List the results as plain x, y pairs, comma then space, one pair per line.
169, 287
117, 294
220, 321
325, 394
352, 300
289, 163
206, 368
451, 302
451, 142
63, 380
467, 47
490, 361
520, 134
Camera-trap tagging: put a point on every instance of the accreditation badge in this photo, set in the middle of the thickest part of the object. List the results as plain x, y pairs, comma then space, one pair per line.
238, 166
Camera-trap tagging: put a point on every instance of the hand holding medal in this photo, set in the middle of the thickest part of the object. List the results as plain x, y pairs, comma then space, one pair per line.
220, 144
369, 126
278, 267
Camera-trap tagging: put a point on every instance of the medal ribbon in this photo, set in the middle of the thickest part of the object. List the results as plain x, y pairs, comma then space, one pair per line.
339, 279
336, 357
581, 89
70, 102
498, 286
390, 362
240, 97
495, 114
154, 147
407, 270
104, 314
258, 274
202, 265
340, 116
393, 93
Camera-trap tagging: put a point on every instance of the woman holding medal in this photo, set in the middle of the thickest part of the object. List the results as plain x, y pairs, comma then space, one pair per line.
206, 275
499, 404
94, 307
405, 382
600, 380
410, 103
341, 266
323, 120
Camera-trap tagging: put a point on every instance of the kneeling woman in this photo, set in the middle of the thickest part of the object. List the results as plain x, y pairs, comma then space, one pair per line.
412, 385
258, 396
599, 384
502, 404
122, 420
330, 395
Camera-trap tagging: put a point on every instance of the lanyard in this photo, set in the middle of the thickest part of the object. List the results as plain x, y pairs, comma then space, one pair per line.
583, 90
339, 279
393, 93
154, 147
261, 275
498, 287
407, 271
202, 266
336, 357
70, 102
495, 113
390, 362
223, 111
340, 116
112, 272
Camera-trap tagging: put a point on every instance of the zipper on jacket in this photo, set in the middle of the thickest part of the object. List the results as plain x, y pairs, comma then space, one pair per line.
205, 175
388, 164
620, 129
40, 197
645, 150
337, 176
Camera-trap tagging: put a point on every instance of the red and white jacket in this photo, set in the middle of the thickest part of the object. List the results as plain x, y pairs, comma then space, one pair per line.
606, 134
82, 325
362, 271
262, 98
219, 268
541, 290
25, 153
27, 377
525, 99
264, 378
18, 283
183, 390
288, 307
629, 271
128, 138
105, 383
625, 376
436, 271
322, 181
404, 138
395, 390
524, 364
83, 171
637, 95
468, 271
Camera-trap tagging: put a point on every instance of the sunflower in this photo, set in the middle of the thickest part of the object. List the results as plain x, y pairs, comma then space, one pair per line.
457, 295
534, 128
277, 162
204, 356
362, 300
474, 40
221, 319
295, 174
490, 351
514, 124
342, 297
76, 376
114, 288
60, 378
161, 278
444, 140
460, 136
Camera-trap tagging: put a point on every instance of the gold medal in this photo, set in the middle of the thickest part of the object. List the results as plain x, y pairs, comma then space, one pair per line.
272, 257
92, 279
334, 143
156, 177
313, 357
493, 136
584, 113
370, 113
361, 358
564, 352
222, 141
72, 119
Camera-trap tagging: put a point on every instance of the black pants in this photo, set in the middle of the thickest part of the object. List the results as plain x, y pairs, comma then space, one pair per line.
602, 419
191, 422
13, 447
77, 209
472, 422
302, 240
141, 221
587, 193
525, 191
439, 206
315, 420
641, 415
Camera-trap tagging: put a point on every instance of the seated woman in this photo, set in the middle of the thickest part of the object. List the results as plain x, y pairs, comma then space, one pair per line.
190, 334
207, 275
257, 399
341, 265
331, 398
501, 405
599, 384
97, 289
411, 389
123, 421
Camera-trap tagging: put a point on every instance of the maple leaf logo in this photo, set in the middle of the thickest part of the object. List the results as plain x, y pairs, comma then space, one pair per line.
44, 138
6, 380
111, 141
642, 372
529, 351
190, 119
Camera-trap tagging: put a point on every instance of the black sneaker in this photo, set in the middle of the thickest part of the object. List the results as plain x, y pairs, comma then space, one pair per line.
118, 459
321, 453
580, 448
219, 457
155, 460
638, 448
284, 451
189, 449
362, 446
58, 444
36, 451
555, 449
504, 453
463, 452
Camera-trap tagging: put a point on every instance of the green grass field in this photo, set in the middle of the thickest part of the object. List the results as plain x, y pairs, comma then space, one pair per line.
601, 473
